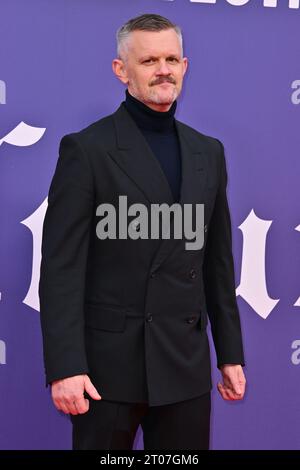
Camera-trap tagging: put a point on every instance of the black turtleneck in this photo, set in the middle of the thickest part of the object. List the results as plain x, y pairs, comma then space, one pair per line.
159, 130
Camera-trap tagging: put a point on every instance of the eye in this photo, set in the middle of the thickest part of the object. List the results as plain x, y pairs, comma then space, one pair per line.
148, 61
173, 59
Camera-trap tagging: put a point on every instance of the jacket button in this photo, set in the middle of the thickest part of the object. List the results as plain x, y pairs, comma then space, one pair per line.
193, 274
152, 275
190, 319
205, 228
149, 317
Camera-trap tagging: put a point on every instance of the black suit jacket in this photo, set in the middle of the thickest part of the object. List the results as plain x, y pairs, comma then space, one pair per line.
133, 313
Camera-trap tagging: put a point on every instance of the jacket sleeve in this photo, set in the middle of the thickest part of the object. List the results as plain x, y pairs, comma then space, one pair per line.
219, 279
65, 242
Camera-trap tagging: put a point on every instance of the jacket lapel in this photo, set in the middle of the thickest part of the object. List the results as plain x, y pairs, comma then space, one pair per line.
136, 159
193, 181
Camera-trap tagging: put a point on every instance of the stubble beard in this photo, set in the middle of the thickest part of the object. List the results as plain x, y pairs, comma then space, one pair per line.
155, 97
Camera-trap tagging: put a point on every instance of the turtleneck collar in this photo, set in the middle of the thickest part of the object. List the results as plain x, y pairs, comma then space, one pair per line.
149, 119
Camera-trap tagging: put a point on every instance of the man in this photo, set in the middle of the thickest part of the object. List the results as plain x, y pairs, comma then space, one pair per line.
124, 318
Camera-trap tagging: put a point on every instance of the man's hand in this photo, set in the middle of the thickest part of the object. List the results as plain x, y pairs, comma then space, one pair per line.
67, 394
234, 382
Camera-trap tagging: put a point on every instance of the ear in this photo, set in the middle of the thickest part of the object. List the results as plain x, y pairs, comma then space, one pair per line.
119, 70
185, 64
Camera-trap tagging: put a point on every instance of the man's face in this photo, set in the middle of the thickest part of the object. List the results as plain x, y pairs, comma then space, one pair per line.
152, 67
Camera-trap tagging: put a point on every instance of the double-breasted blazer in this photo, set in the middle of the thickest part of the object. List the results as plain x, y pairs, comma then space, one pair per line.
132, 313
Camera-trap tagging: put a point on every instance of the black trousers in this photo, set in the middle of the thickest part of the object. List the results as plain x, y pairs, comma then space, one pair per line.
110, 425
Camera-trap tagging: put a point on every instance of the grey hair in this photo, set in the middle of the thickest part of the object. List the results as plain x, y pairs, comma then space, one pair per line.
145, 22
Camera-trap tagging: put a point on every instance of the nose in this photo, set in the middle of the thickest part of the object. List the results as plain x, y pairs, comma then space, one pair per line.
163, 68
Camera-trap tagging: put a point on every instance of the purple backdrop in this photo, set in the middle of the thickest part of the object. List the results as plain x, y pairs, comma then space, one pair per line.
243, 87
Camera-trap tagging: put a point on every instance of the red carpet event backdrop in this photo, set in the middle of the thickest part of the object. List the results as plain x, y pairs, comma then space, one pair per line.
243, 87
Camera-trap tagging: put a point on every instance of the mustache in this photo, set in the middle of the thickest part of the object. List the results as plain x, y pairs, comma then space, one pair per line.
160, 80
